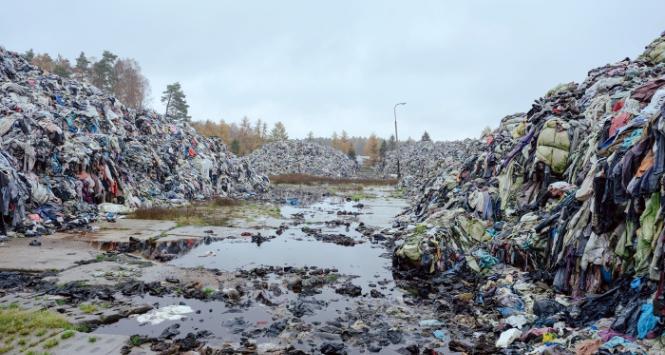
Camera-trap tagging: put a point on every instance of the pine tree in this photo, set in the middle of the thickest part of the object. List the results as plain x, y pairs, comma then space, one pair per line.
392, 144
278, 132
102, 72
82, 64
351, 153
176, 102
235, 147
383, 149
310, 136
29, 55
425, 137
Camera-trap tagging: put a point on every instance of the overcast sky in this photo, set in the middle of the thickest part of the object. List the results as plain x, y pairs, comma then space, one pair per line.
328, 66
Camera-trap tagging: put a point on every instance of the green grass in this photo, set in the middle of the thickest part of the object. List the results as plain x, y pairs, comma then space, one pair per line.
24, 322
50, 343
67, 334
420, 229
92, 339
217, 212
88, 308
357, 197
82, 328
136, 340
209, 291
330, 278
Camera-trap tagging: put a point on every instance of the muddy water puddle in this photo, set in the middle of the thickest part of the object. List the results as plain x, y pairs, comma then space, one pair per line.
295, 248
303, 250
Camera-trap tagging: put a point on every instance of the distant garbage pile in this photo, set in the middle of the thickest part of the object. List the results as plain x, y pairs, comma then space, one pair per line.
570, 196
420, 161
301, 157
66, 149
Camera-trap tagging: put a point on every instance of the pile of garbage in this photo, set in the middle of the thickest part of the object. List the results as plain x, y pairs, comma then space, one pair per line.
561, 210
423, 160
301, 157
67, 149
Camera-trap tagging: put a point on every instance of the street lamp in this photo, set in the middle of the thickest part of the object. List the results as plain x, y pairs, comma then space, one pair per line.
399, 174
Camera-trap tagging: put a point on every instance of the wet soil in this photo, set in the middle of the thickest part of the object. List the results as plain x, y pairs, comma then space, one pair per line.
316, 278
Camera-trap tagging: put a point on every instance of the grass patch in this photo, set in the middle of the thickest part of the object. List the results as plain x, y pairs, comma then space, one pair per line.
224, 201
25, 322
187, 215
361, 196
315, 180
82, 328
51, 343
331, 278
136, 340
209, 291
92, 339
217, 212
88, 308
67, 334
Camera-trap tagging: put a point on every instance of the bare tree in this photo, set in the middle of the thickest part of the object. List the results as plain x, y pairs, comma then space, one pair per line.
130, 86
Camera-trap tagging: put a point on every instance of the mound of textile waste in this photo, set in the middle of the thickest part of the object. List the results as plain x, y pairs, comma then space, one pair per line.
420, 161
560, 212
301, 157
66, 149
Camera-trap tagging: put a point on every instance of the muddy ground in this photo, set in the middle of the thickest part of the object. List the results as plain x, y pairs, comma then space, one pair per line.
306, 270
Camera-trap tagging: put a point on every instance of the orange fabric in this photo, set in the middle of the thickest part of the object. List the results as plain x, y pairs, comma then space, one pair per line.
646, 164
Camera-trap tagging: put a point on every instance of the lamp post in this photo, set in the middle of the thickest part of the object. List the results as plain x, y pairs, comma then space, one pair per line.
399, 174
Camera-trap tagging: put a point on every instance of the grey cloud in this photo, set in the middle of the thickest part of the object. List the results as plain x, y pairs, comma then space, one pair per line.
326, 66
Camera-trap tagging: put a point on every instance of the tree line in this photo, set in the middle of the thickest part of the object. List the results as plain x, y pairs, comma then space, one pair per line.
120, 77
245, 137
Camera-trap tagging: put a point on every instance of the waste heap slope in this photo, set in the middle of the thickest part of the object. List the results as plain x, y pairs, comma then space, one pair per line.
570, 193
421, 161
66, 148
301, 157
